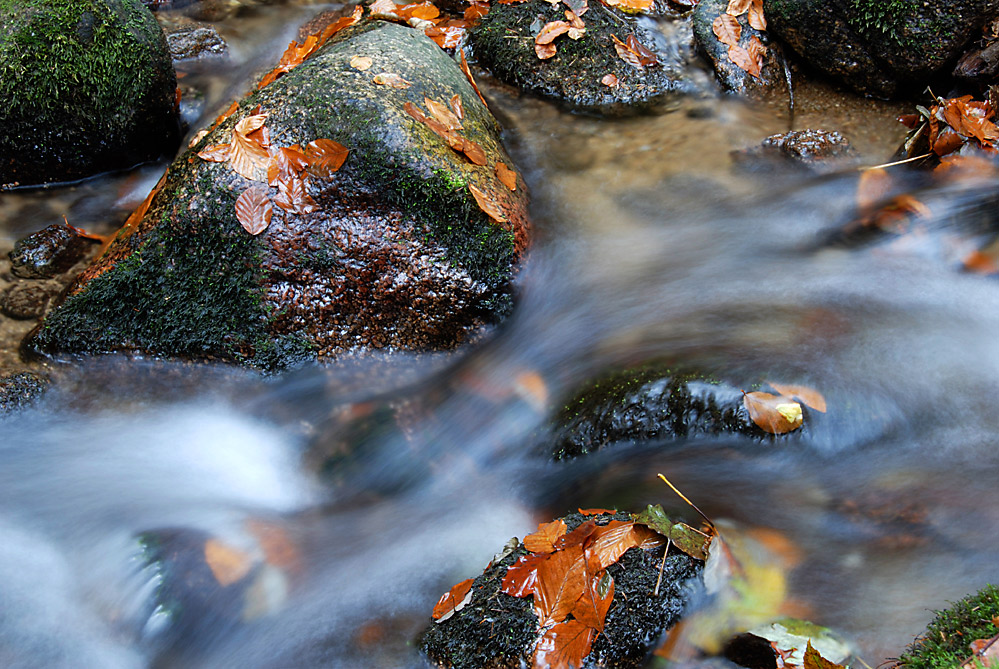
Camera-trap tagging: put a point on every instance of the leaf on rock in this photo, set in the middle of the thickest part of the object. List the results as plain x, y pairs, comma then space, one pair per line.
591, 609
727, 29
443, 114
578, 536
811, 397
249, 155
254, 210
325, 157
293, 196
391, 79
522, 576
561, 581
340, 24
691, 541
543, 541
228, 565
609, 80
285, 162
564, 646
776, 414
278, 548
633, 53
744, 60
756, 19
457, 106
985, 653
361, 63
463, 64
550, 31
815, 661
487, 204
737, 7
216, 153
612, 540
506, 176
475, 11
453, 601
473, 151
545, 51
630, 6
425, 11
447, 36
596, 512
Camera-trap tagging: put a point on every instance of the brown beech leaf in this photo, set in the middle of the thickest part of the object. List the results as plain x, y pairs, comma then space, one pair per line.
815, 661
463, 64
228, 565
596, 512
249, 154
632, 52
809, 396
457, 106
384, 9
391, 79
447, 36
445, 116
564, 646
630, 6
985, 653
487, 204
561, 581
744, 60
254, 210
506, 176
591, 608
873, 188
775, 414
543, 541
545, 51
609, 80
756, 19
325, 157
737, 7
473, 151
522, 576
727, 29
453, 600
609, 542
425, 11
216, 153
475, 11
757, 51
550, 31
340, 24
293, 196
361, 63
285, 162
578, 536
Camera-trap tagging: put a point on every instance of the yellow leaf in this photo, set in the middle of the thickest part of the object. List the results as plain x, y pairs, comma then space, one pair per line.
772, 413
228, 565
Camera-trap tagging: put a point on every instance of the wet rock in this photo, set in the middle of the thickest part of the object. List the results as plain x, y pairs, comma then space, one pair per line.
980, 64
18, 391
194, 41
48, 252
24, 302
119, 110
816, 150
498, 631
503, 42
946, 641
646, 405
397, 254
878, 47
731, 76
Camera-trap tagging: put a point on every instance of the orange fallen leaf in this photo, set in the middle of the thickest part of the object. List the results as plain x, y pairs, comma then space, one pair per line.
545, 51
756, 19
609, 80
475, 11
737, 7
772, 413
254, 210
809, 396
463, 64
293, 196
634, 53
325, 157
727, 29
249, 153
445, 116
277, 546
487, 204
285, 162
391, 79
596, 512
361, 63
630, 6
457, 106
506, 176
543, 541
550, 31
228, 565
744, 60
216, 153
564, 646
473, 151
453, 600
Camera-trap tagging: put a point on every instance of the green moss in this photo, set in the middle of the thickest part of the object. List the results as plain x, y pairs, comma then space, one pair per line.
944, 644
886, 17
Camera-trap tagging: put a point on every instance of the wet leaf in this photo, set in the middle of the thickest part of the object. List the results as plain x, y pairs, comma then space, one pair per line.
873, 188
487, 204
550, 31
475, 11
391, 79
425, 11
531, 387
809, 396
633, 53
772, 413
473, 151
506, 176
737, 7
560, 583
340, 24
985, 653
293, 196
756, 19
278, 548
609, 80
592, 607
578, 536
457, 106
228, 565
744, 60
815, 661
249, 153
448, 36
564, 646
727, 29
543, 541
325, 157
216, 153
285, 162
609, 542
790, 637
254, 210
443, 114
630, 6
463, 64
361, 63
545, 51
596, 512
522, 575
384, 9
691, 541
453, 601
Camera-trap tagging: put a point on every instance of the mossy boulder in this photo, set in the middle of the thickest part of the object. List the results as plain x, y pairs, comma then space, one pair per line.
503, 42
87, 86
498, 631
882, 48
396, 255
946, 641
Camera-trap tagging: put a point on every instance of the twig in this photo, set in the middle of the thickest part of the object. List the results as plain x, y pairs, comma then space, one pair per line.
684, 498
897, 162
662, 567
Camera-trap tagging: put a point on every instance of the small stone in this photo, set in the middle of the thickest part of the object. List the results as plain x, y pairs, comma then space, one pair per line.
47, 252
24, 302
196, 41
19, 390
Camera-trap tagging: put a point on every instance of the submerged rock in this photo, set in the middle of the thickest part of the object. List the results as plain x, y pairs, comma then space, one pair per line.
879, 47
190, 40
495, 630
816, 150
394, 250
24, 302
48, 252
503, 42
87, 87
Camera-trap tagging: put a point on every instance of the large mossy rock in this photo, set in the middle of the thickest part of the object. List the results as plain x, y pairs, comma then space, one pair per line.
947, 640
503, 42
879, 47
87, 86
398, 254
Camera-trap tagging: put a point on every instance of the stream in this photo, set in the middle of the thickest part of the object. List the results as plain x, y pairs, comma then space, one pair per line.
652, 247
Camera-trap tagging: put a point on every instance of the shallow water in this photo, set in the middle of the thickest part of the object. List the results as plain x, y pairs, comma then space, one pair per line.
652, 247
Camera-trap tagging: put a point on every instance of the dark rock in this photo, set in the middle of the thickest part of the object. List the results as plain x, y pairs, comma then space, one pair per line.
503, 42
733, 77
879, 47
817, 150
48, 252
646, 405
981, 64
24, 302
119, 109
397, 255
18, 391
195, 41
498, 631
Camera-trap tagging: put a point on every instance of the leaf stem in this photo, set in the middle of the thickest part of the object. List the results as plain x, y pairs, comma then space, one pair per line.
684, 498
897, 162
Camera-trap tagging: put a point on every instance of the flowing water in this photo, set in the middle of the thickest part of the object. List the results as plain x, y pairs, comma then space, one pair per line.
652, 248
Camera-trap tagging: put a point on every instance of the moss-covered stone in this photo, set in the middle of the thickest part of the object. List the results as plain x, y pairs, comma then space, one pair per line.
879, 47
398, 253
88, 86
945, 643
498, 631
503, 42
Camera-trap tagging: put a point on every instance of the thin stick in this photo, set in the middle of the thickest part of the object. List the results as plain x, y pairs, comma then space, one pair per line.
897, 162
684, 498
662, 566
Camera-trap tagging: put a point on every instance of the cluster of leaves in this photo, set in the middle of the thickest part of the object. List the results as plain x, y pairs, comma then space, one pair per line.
296, 53
778, 414
728, 29
286, 169
447, 32
952, 125
566, 575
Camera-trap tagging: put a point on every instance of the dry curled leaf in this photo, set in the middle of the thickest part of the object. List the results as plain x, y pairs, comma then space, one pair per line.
609, 80
457, 106
487, 204
634, 53
391, 79
727, 29
453, 601
756, 19
361, 63
809, 396
506, 176
228, 565
254, 210
776, 414
737, 7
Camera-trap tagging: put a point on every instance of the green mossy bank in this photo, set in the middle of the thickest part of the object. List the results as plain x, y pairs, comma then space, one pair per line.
946, 642
397, 255
87, 86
